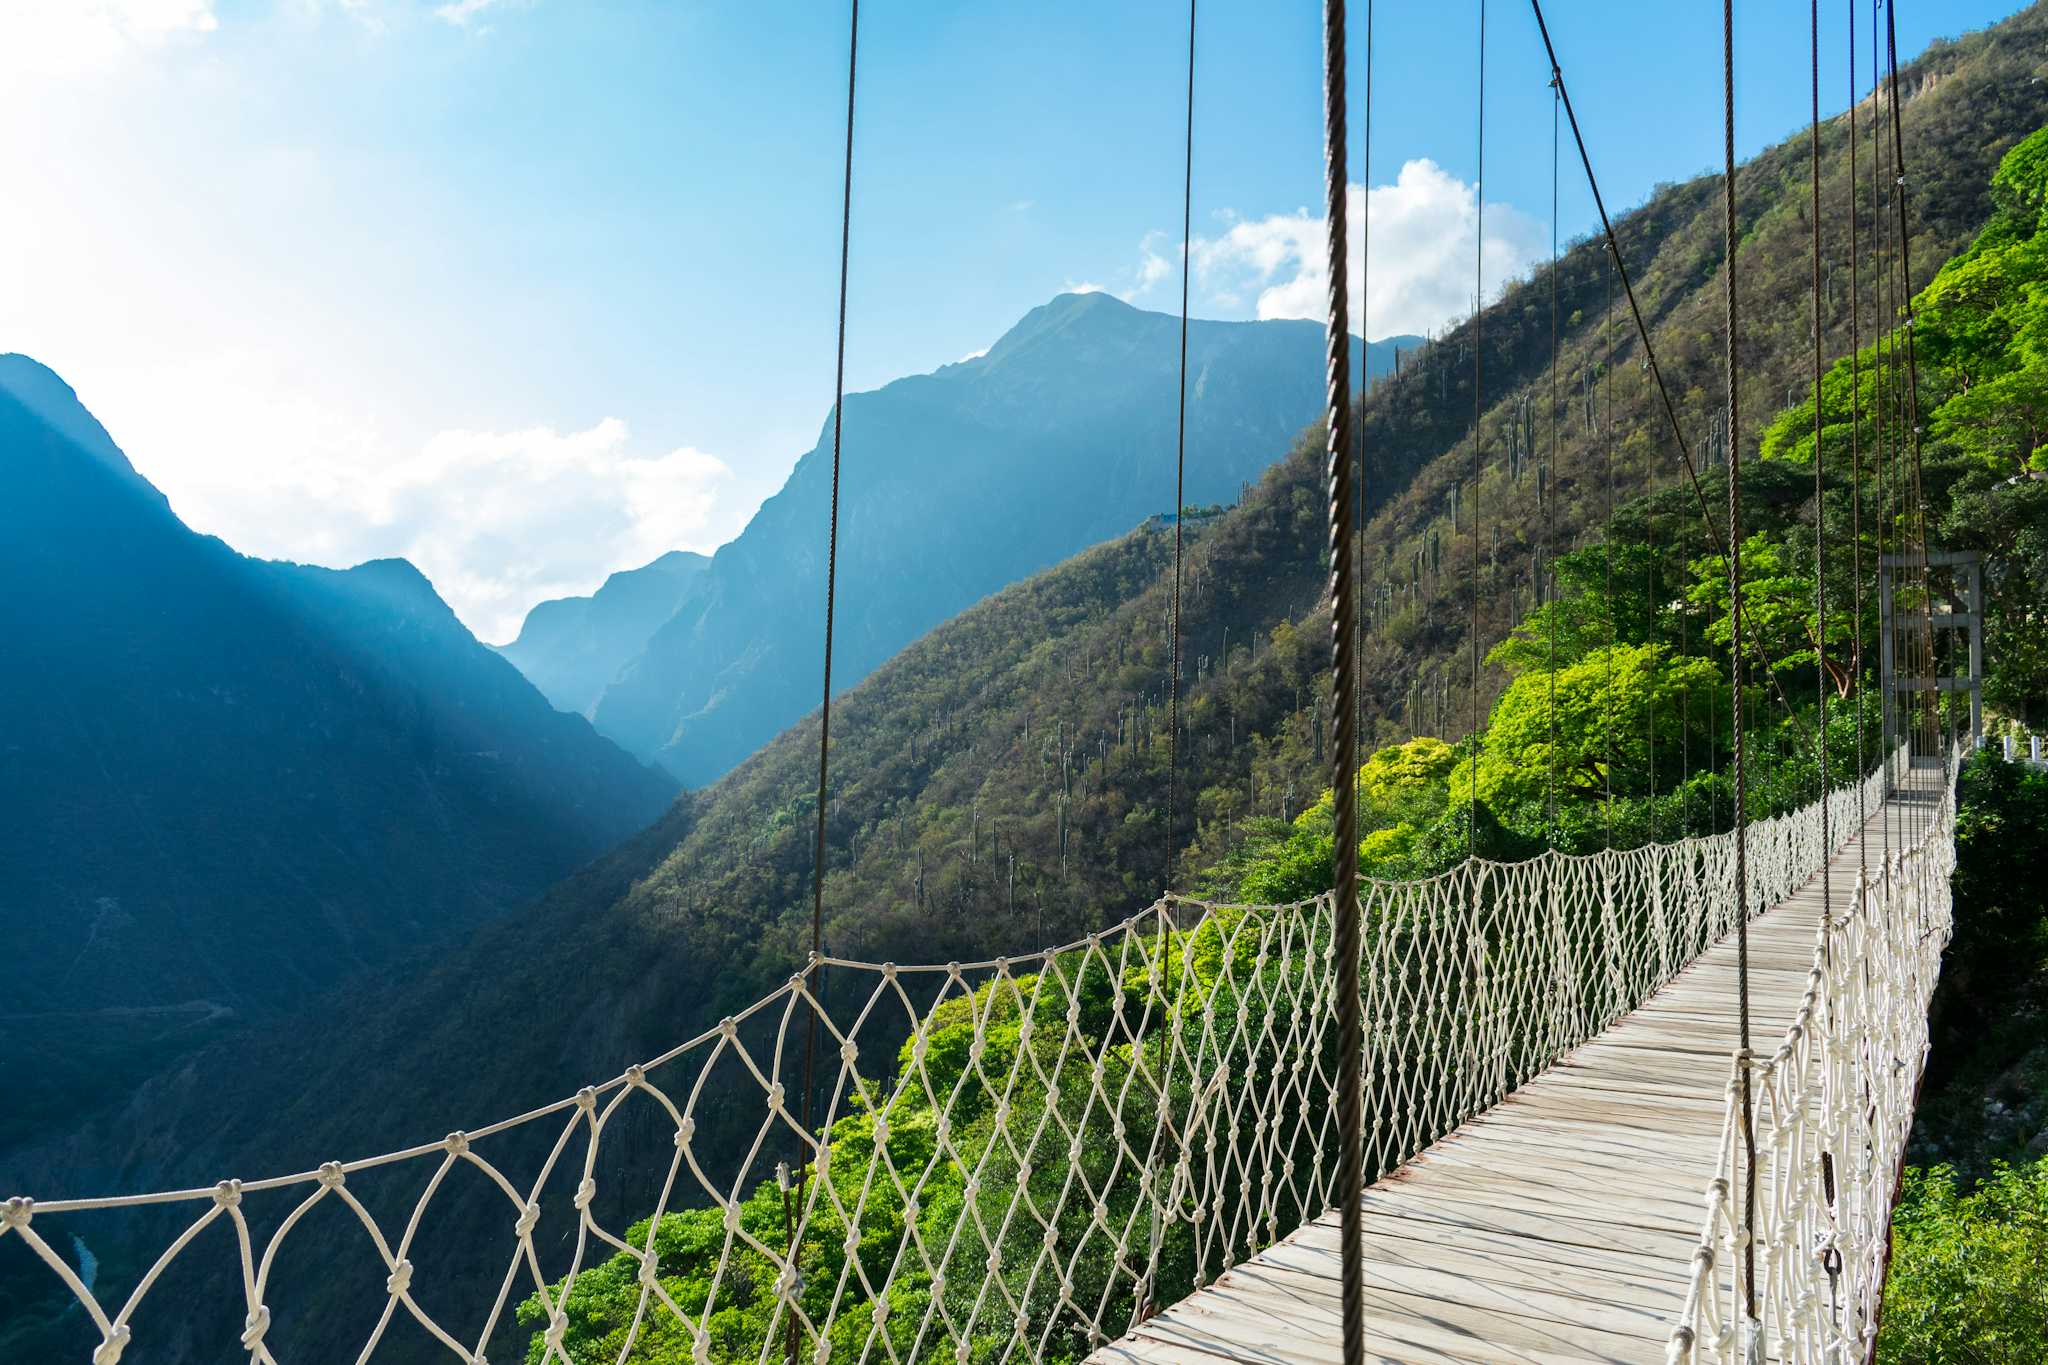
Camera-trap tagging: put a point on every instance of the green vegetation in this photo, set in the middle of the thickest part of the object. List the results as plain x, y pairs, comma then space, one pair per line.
999, 1134
1970, 1235
1966, 1283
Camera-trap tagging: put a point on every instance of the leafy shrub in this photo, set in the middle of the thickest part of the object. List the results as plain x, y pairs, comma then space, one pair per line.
1969, 1274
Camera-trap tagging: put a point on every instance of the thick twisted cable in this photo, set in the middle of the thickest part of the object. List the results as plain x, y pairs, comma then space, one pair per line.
1343, 700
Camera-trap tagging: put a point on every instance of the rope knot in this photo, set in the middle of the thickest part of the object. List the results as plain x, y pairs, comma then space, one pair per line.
331, 1175
585, 1192
586, 1098
529, 1217
456, 1142
686, 1130
109, 1351
399, 1280
636, 1074
17, 1211
888, 971
254, 1326
849, 1052
228, 1194
775, 1097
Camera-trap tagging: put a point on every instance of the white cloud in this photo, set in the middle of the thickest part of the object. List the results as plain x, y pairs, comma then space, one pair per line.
501, 520
60, 38
1082, 287
1153, 266
460, 12
1424, 226
249, 449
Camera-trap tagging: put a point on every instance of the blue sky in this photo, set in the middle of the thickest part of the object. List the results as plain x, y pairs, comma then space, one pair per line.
531, 290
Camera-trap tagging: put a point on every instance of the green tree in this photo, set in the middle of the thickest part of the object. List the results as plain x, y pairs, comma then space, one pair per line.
1967, 1285
1779, 612
1587, 729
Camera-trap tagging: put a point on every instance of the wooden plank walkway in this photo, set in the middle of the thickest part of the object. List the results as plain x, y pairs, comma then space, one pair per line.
1555, 1228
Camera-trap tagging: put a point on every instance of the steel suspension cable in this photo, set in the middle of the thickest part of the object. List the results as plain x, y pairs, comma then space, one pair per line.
1735, 709
1547, 488
814, 970
1180, 464
1478, 426
1607, 563
1820, 563
1880, 389
1856, 456
1365, 331
1650, 626
1919, 504
1345, 910
1713, 531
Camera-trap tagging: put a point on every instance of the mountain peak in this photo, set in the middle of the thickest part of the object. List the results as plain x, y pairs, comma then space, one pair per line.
46, 397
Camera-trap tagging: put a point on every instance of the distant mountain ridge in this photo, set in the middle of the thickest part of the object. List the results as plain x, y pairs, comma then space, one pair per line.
956, 484
571, 648
227, 783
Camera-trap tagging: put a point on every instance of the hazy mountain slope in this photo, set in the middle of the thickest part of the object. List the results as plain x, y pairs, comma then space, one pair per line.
955, 484
948, 760
572, 647
226, 783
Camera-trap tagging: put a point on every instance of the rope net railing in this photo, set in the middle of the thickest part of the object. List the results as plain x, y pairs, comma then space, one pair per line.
1834, 1104
1016, 1158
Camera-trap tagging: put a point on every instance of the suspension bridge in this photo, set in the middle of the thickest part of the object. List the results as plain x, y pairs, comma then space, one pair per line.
1635, 1105
1565, 1224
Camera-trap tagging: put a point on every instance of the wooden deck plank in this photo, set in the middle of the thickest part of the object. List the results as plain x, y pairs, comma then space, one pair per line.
1554, 1228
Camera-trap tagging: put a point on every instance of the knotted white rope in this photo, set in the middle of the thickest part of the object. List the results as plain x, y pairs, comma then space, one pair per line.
1834, 1105
1026, 1154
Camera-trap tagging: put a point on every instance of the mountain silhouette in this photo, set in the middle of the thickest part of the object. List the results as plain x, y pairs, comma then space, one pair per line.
572, 647
956, 484
227, 783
